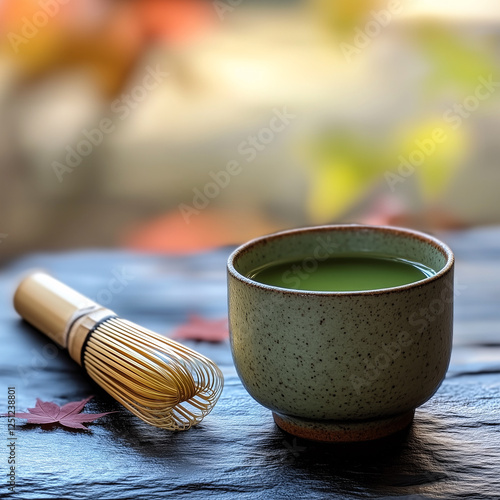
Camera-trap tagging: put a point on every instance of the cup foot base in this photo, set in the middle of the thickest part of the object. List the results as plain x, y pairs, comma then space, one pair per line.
334, 431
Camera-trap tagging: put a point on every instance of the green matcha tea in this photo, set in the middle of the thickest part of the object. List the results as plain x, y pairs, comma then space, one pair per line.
343, 273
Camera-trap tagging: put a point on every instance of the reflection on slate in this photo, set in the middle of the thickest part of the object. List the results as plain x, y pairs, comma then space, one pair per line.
451, 451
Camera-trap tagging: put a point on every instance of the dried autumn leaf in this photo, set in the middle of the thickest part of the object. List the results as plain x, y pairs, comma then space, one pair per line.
68, 415
198, 328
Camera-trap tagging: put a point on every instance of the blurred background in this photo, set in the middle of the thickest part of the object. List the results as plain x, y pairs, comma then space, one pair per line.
181, 125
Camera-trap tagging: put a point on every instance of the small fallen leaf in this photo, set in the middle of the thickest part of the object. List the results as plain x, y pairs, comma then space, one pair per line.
198, 328
47, 412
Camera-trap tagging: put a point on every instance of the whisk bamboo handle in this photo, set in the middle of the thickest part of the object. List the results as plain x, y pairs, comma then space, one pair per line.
162, 382
60, 312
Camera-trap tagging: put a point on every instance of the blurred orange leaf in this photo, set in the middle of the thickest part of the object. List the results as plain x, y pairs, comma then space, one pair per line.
209, 229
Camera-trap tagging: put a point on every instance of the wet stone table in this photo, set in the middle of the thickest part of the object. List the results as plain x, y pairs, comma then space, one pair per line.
451, 451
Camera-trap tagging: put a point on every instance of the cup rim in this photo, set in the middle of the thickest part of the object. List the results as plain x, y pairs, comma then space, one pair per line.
442, 247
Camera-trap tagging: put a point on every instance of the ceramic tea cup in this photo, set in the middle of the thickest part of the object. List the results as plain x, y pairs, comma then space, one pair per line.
341, 366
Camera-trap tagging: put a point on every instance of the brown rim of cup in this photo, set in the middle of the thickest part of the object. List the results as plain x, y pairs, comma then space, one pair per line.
442, 247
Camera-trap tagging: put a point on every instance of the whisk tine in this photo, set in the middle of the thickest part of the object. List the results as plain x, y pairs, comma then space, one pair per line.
137, 376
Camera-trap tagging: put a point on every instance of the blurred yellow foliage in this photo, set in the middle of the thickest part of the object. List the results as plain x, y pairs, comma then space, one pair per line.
341, 17
453, 62
332, 190
441, 158
344, 167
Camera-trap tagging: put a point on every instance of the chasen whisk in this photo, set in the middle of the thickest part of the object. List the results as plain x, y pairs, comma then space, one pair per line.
161, 381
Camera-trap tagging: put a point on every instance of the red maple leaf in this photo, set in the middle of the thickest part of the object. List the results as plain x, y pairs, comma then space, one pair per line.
198, 328
46, 412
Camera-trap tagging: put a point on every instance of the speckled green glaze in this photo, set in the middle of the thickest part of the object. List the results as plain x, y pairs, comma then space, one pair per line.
341, 356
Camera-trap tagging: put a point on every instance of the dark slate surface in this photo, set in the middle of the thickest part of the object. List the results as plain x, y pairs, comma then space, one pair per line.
452, 451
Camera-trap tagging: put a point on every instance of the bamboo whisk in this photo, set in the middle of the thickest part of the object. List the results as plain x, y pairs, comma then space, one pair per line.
161, 381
